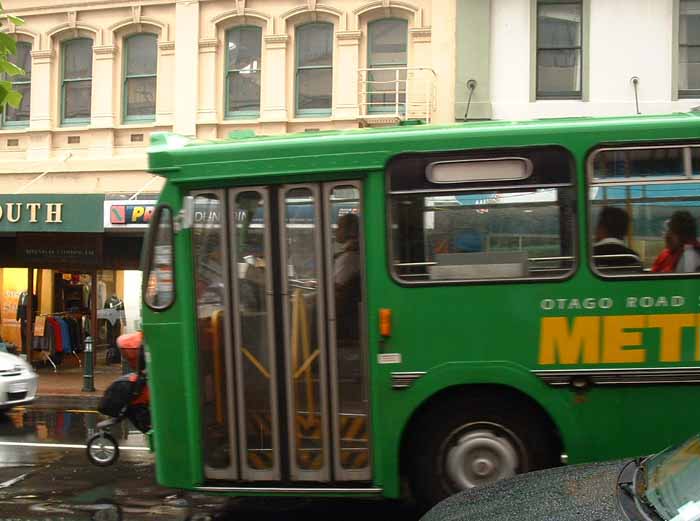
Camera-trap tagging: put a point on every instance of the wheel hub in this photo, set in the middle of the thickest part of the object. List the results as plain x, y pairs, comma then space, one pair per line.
478, 457
103, 449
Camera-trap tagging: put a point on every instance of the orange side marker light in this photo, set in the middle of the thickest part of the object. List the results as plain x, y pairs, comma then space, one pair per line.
385, 322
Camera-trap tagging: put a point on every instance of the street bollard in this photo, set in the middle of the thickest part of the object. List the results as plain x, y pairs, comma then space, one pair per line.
88, 376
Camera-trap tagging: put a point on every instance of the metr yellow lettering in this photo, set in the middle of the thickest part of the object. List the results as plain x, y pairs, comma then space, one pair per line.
697, 340
579, 345
33, 208
53, 212
616, 340
671, 333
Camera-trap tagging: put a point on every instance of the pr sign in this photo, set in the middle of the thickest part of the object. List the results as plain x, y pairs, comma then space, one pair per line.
128, 214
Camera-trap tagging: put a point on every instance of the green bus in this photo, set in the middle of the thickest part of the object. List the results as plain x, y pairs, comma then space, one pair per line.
421, 309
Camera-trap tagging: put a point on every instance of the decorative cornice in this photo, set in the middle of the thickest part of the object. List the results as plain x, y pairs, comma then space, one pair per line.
353, 36
105, 50
45, 54
276, 38
276, 41
421, 34
166, 46
208, 44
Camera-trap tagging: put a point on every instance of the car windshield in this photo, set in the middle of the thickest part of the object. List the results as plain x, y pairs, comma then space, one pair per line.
673, 481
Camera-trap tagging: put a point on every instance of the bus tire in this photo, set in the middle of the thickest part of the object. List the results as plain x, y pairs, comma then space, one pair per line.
470, 441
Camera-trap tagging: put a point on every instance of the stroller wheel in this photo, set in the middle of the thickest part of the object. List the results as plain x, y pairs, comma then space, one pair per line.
102, 449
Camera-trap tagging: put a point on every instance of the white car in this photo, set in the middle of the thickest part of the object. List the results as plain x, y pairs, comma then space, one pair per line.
18, 381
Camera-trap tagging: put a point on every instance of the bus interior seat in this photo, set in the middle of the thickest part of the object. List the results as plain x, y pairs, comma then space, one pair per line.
480, 265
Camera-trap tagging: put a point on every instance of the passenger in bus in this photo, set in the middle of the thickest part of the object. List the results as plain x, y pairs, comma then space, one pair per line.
682, 252
610, 250
346, 276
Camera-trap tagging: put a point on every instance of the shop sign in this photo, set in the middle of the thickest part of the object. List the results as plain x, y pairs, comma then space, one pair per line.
128, 214
69, 251
51, 213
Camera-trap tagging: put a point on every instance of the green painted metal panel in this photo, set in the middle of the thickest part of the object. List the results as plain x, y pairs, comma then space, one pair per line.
51, 213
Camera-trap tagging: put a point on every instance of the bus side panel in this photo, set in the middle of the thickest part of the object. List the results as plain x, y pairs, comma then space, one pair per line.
488, 323
172, 429
173, 369
403, 404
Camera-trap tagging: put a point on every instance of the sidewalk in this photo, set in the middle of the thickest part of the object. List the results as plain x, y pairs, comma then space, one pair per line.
63, 388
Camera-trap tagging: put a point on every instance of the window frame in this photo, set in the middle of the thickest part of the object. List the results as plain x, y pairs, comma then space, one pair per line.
19, 124
74, 121
325, 112
228, 72
126, 77
488, 153
684, 93
148, 250
560, 95
370, 65
590, 182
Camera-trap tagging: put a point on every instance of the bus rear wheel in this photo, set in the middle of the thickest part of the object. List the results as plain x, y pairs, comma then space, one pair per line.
474, 444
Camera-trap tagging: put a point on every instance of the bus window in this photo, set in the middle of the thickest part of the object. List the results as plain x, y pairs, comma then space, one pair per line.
159, 292
643, 208
497, 226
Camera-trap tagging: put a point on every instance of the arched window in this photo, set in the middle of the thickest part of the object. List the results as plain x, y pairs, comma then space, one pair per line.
386, 49
243, 47
314, 69
140, 66
17, 117
76, 81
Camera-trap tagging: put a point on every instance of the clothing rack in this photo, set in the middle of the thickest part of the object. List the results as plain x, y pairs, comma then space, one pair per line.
70, 339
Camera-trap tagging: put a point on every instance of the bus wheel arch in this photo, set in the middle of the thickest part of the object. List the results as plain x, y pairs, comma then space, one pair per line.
469, 435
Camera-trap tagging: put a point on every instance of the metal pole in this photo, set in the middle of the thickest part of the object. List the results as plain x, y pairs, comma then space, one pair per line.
396, 94
88, 377
30, 316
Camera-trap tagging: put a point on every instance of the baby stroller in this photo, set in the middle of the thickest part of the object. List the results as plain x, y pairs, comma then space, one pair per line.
127, 397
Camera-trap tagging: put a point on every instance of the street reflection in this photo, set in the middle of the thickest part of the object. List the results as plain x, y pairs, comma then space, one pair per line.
71, 426
50, 478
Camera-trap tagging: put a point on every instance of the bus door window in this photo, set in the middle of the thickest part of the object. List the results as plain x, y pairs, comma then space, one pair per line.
346, 331
208, 245
305, 342
644, 204
254, 334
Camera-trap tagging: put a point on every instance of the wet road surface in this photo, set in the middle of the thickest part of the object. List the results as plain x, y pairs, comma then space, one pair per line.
45, 475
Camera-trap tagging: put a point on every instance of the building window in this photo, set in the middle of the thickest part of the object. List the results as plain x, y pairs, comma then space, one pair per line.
243, 50
314, 69
559, 49
689, 50
76, 81
386, 49
141, 59
19, 117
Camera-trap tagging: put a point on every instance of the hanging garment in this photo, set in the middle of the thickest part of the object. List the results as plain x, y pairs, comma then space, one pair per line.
65, 335
75, 335
23, 303
58, 338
